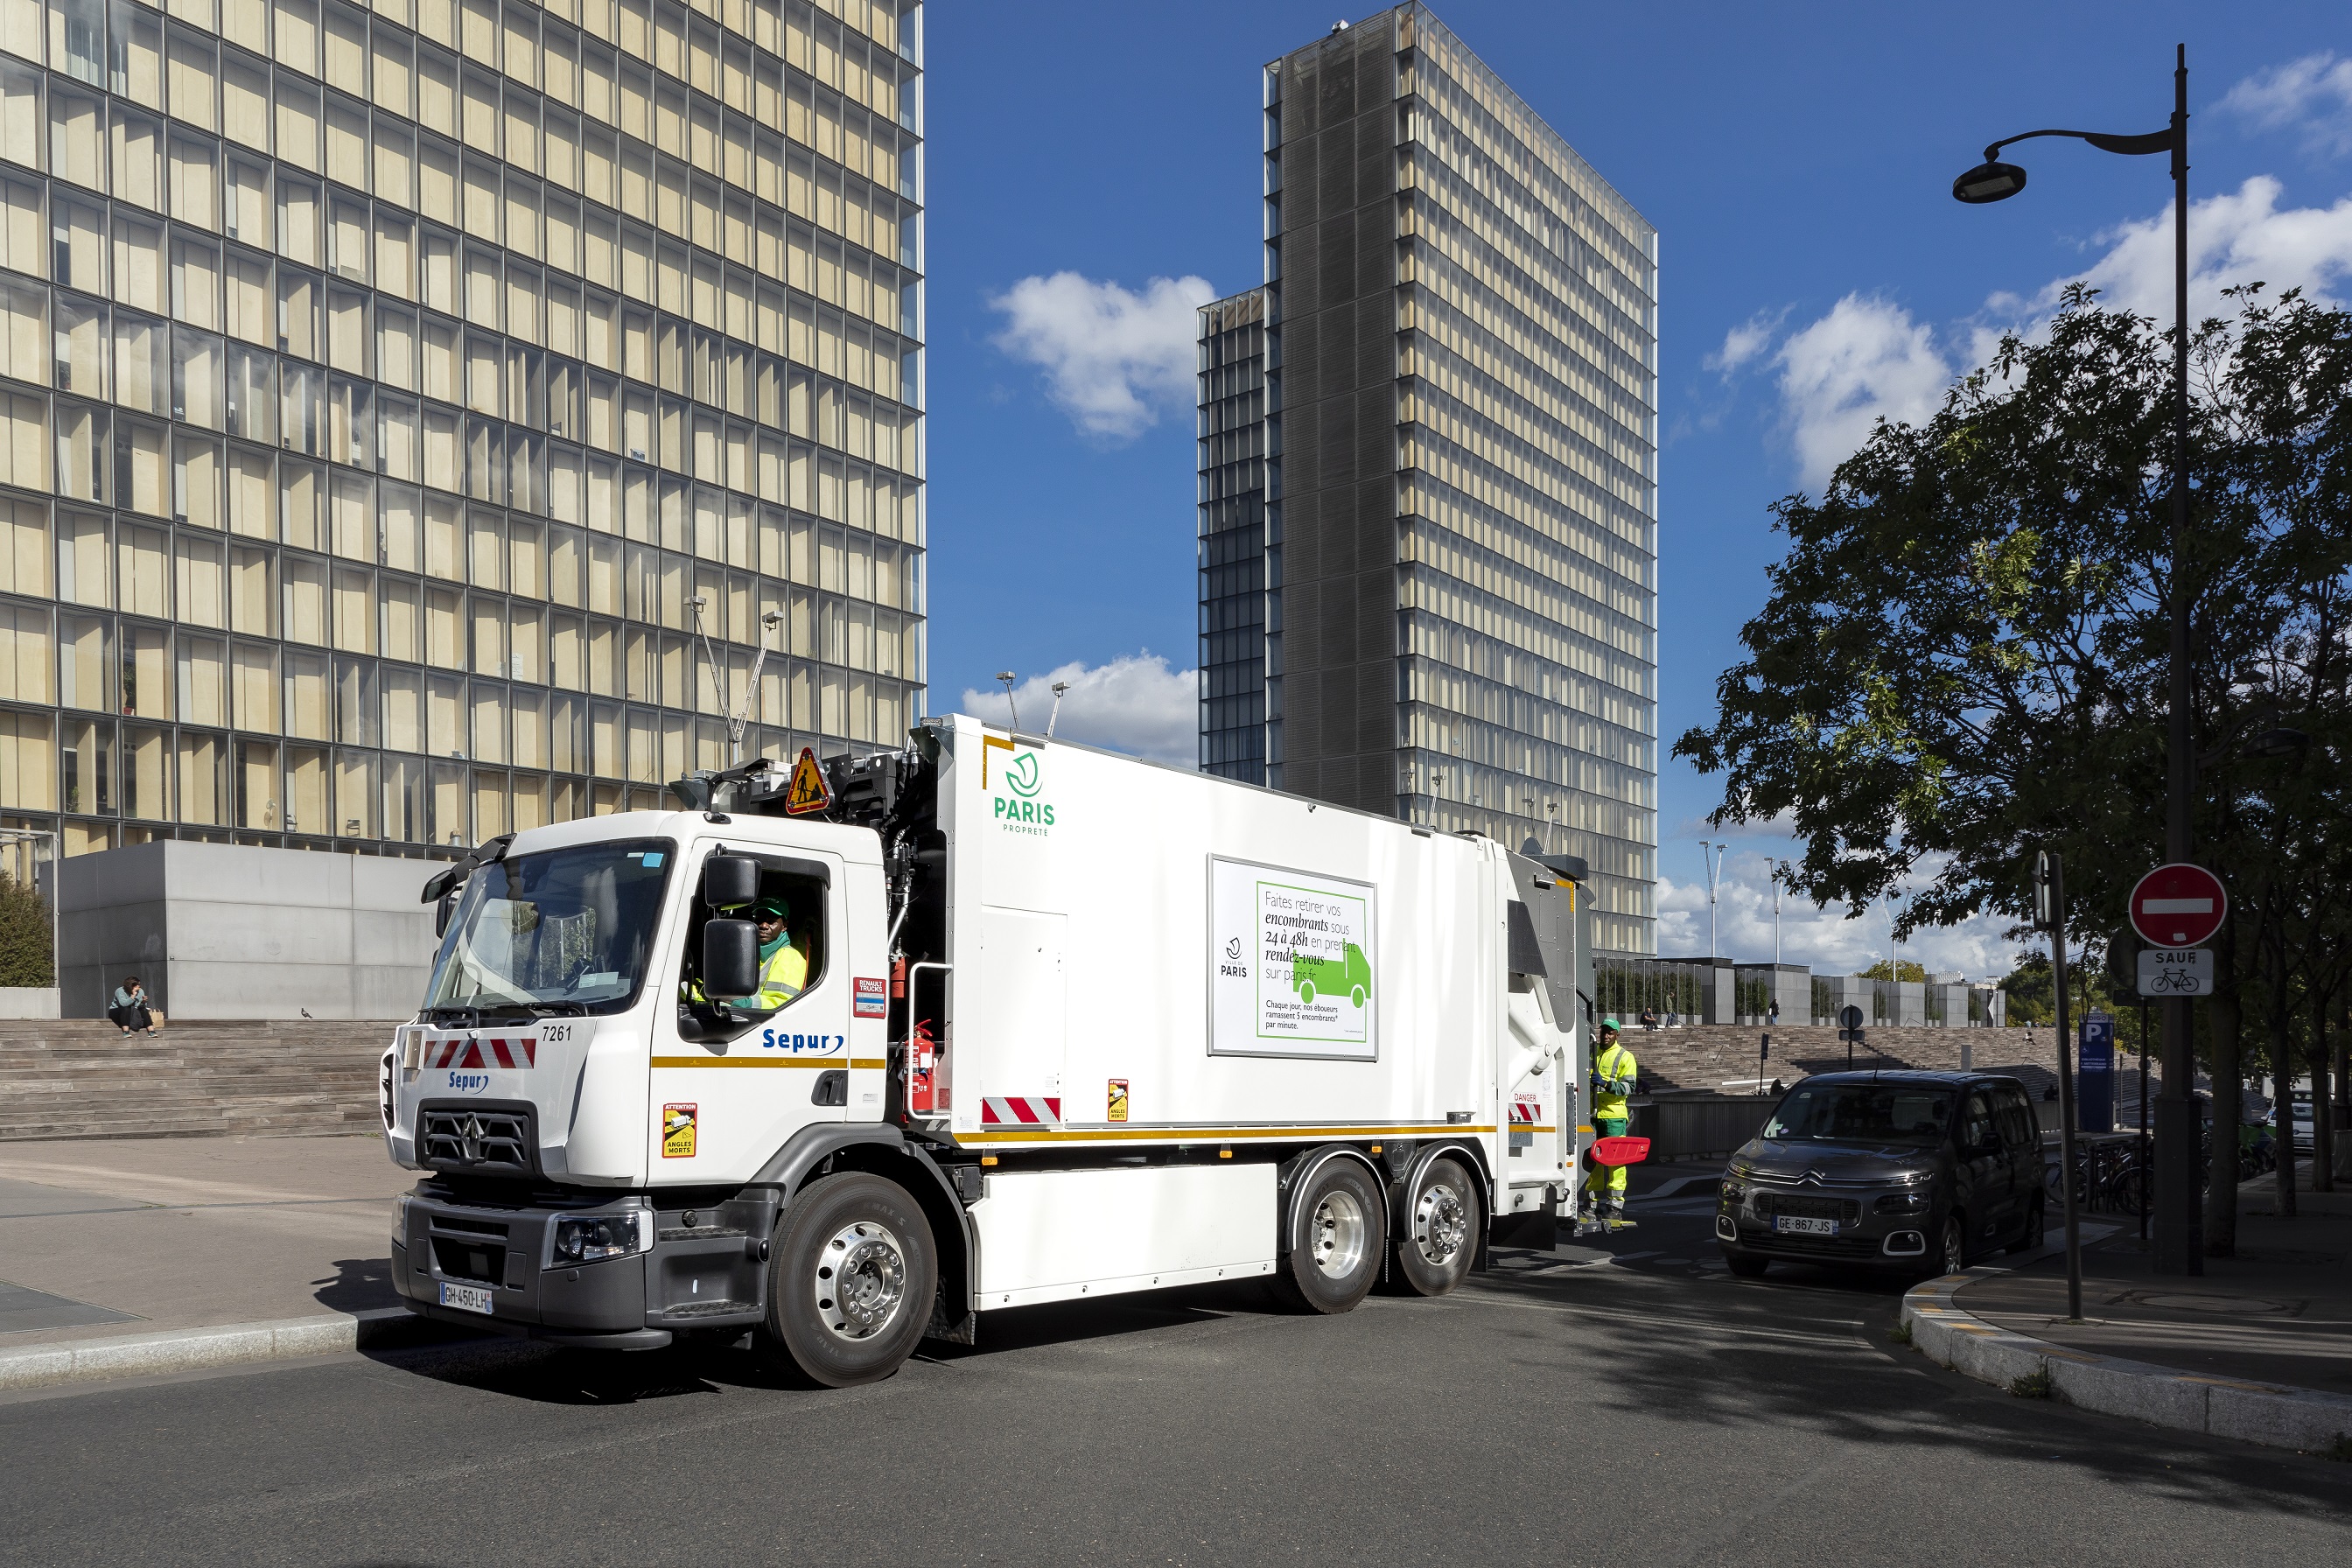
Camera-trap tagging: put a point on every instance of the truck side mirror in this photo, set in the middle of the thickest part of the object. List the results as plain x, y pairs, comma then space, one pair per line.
730, 881
442, 910
730, 960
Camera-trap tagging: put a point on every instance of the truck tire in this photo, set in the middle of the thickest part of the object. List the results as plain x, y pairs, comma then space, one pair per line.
1438, 1237
1332, 1239
851, 1282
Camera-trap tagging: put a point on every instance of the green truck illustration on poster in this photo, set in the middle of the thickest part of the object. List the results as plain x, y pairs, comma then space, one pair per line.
1349, 975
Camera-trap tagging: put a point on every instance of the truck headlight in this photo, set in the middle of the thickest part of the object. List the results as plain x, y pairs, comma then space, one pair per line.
591, 1238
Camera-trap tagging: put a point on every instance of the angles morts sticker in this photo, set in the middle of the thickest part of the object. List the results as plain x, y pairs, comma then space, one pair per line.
677, 1131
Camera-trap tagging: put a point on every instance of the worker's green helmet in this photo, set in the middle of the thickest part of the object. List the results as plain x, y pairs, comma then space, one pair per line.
771, 906
1609, 1024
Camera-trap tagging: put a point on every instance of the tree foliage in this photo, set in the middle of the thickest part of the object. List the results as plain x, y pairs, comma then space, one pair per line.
23, 935
1963, 655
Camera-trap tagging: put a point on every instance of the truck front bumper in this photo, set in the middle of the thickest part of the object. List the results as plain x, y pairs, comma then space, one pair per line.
703, 1272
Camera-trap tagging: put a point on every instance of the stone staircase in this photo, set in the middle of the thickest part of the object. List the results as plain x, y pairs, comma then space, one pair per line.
81, 1079
1711, 1057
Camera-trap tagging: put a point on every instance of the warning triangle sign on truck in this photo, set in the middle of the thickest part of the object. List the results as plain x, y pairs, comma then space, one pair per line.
809, 792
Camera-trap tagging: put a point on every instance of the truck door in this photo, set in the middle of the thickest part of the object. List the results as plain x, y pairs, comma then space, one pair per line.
731, 1084
1538, 1105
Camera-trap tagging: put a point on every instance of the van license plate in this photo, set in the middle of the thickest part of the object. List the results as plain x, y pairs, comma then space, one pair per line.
466, 1298
1792, 1224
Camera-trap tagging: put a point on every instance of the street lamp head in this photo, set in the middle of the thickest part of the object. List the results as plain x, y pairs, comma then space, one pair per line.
1989, 182
2275, 744
772, 620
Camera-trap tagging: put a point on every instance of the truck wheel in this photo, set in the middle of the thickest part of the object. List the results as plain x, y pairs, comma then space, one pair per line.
1334, 1236
1440, 1239
850, 1288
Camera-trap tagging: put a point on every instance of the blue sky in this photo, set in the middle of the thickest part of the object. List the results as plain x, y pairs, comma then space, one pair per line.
1092, 169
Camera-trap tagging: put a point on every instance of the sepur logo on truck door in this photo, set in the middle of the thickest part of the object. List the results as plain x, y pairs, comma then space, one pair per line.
1289, 971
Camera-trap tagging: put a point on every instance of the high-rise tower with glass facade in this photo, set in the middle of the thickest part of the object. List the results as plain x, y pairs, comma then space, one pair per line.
430, 420
1428, 467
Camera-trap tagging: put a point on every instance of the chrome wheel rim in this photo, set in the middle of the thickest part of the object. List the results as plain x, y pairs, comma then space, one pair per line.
1337, 1234
1956, 1257
1441, 1224
860, 1280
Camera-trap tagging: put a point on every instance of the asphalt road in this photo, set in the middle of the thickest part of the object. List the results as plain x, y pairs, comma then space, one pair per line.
1611, 1409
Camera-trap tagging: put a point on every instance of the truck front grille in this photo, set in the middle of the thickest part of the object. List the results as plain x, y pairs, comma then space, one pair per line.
476, 1139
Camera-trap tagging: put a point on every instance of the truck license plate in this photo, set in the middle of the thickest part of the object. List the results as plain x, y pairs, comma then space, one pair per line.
1792, 1224
466, 1298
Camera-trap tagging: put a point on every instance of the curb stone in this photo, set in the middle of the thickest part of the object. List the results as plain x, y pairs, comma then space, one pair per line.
197, 1350
2275, 1415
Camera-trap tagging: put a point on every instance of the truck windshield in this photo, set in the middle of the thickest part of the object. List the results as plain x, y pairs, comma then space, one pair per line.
563, 930
1863, 1112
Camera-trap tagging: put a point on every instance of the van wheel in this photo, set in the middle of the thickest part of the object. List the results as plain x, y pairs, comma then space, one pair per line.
1440, 1237
850, 1288
1952, 1250
1333, 1239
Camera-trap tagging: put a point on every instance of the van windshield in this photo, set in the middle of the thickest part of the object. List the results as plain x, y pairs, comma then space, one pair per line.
563, 931
1865, 1113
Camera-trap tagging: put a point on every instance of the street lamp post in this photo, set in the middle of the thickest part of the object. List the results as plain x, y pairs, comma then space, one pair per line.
1710, 855
2179, 1246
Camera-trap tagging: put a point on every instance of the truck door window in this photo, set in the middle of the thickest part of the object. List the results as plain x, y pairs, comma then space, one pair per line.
791, 915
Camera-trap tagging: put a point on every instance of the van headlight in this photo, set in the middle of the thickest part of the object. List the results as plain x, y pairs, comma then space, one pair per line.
1901, 1202
592, 1239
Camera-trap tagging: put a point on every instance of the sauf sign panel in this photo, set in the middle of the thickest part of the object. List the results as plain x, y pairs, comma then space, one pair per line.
1290, 969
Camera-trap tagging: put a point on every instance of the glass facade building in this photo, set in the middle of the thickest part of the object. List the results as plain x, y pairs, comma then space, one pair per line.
422, 422
1452, 542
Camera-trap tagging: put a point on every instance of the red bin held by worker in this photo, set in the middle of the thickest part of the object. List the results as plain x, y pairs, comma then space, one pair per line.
1620, 1151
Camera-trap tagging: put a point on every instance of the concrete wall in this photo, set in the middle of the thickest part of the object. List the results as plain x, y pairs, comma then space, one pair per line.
218, 930
28, 1001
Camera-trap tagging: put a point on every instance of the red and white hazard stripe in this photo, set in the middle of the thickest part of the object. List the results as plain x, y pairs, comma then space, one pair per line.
1020, 1111
483, 1051
1526, 1110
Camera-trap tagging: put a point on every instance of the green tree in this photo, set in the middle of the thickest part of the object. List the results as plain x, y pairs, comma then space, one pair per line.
1962, 657
25, 958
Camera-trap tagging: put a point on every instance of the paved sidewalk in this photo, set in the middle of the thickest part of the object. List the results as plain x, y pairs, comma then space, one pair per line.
108, 1237
2279, 1312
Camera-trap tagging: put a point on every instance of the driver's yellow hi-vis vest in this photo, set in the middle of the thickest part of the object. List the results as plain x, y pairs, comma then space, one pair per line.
1612, 1066
781, 978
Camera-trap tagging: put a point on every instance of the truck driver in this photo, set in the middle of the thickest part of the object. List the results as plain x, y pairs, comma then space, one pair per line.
783, 966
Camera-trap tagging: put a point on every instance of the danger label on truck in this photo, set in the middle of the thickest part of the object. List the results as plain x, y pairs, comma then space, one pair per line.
1290, 970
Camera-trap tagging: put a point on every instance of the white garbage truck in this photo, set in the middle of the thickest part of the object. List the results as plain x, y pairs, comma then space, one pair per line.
1052, 1023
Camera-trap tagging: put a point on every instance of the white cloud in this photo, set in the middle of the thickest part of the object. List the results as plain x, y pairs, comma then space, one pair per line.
1746, 340
1112, 357
2311, 95
1866, 361
1135, 704
1826, 940
1869, 358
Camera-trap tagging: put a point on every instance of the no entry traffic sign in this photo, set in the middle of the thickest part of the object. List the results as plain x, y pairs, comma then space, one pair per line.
2177, 905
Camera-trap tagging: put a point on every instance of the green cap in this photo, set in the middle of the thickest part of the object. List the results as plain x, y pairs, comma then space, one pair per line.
771, 905
1608, 1022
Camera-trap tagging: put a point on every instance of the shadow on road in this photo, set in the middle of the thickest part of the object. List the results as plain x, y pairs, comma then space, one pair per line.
552, 1374
1812, 1349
